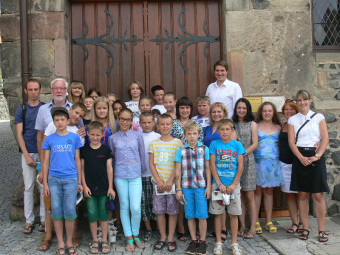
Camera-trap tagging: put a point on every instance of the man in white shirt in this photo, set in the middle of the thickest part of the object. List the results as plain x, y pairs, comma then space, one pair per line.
224, 90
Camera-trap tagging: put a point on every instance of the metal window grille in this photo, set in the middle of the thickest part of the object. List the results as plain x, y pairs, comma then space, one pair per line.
326, 24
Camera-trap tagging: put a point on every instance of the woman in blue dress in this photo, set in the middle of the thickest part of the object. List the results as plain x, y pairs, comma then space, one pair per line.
267, 161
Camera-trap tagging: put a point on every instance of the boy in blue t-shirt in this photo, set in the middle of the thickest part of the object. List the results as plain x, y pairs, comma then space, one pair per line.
62, 177
226, 165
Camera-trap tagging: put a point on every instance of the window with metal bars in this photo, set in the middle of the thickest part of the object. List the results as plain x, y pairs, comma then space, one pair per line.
326, 24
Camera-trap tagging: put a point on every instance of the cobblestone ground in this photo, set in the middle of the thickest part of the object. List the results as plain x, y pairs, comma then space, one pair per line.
13, 241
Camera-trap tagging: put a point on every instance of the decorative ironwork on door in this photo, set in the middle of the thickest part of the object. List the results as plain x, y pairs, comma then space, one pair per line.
108, 40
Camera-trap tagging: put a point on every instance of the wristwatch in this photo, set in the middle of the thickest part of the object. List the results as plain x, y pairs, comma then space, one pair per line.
318, 156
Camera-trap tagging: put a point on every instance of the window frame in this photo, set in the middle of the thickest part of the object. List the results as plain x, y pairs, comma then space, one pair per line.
316, 47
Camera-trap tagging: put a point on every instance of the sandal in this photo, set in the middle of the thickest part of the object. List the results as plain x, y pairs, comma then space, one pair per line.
130, 246
28, 229
172, 246
105, 245
272, 229
258, 229
182, 236
138, 243
225, 233
120, 230
250, 235
159, 245
44, 245
72, 250
240, 233
291, 229
303, 236
61, 251
147, 236
236, 249
94, 247
322, 237
300, 228
41, 226
212, 234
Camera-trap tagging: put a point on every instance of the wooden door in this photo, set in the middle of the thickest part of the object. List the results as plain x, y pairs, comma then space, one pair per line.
173, 43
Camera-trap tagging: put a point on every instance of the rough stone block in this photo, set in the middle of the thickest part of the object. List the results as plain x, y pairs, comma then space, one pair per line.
327, 152
60, 59
333, 210
248, 31
12, 87
334, 143
334, 84
237, 5
260, 4
48, 5
336, 157
47, 25
330, 178
330, 117
10, 28
336, 192
322, 80
327, 57
335, 76
42, 63
333, 134
290, 6
10, 6
337, 96
10, 59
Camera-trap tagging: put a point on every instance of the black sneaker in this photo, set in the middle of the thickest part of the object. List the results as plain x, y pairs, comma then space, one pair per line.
201, 248
192, 247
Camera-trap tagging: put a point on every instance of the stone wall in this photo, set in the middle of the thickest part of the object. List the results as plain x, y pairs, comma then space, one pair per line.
48, 40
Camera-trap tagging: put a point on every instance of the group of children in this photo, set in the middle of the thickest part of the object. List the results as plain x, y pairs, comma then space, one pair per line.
152, 172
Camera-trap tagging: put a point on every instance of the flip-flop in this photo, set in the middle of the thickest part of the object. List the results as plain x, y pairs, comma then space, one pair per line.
41, 227
28, 228
132, 247
138, 243
250, 235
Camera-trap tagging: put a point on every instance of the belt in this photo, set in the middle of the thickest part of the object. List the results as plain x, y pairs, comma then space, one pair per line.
307, 148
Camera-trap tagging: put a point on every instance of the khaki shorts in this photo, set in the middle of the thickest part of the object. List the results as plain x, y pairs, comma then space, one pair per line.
233, 208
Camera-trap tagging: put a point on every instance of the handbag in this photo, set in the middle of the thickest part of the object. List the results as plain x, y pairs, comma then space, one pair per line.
110, 204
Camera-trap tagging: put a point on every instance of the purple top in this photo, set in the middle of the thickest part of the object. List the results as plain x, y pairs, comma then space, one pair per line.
128, 154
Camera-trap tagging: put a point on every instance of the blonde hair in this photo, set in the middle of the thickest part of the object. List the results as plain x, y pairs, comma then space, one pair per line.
191, 125
223, 122
203, 99
222, 106
304, 94
110, 119
76, 84
112, 95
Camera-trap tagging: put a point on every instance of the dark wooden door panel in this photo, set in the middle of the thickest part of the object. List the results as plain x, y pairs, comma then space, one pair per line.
153, 42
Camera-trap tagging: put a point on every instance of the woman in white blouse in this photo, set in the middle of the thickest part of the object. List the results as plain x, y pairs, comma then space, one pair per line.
308, 138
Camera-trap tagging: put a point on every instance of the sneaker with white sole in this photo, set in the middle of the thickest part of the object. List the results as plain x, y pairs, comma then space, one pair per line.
218, 248
236, 249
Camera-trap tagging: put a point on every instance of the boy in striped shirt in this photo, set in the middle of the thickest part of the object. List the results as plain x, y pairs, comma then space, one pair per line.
162, 153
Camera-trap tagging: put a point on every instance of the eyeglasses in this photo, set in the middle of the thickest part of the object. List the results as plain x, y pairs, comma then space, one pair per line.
58, 89
125, 120
290, 101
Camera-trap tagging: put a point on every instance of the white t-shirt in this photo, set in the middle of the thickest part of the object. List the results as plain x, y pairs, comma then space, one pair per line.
134, 107
309, 135
160, 107
228, 93
203, 121
51, 129
148, 138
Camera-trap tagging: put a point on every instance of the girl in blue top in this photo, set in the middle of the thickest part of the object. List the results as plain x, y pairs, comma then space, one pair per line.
267, 161
128, 150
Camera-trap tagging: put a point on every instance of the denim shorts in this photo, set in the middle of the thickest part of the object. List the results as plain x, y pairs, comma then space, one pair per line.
63, 197
197, 204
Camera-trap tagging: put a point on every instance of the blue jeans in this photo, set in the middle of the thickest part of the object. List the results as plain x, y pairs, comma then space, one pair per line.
63, 197
130, 197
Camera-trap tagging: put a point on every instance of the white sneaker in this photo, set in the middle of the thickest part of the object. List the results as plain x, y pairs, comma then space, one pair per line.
218, 248
236, 249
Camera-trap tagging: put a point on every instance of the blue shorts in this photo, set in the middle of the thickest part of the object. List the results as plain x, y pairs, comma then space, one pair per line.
63, 197
197, 206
